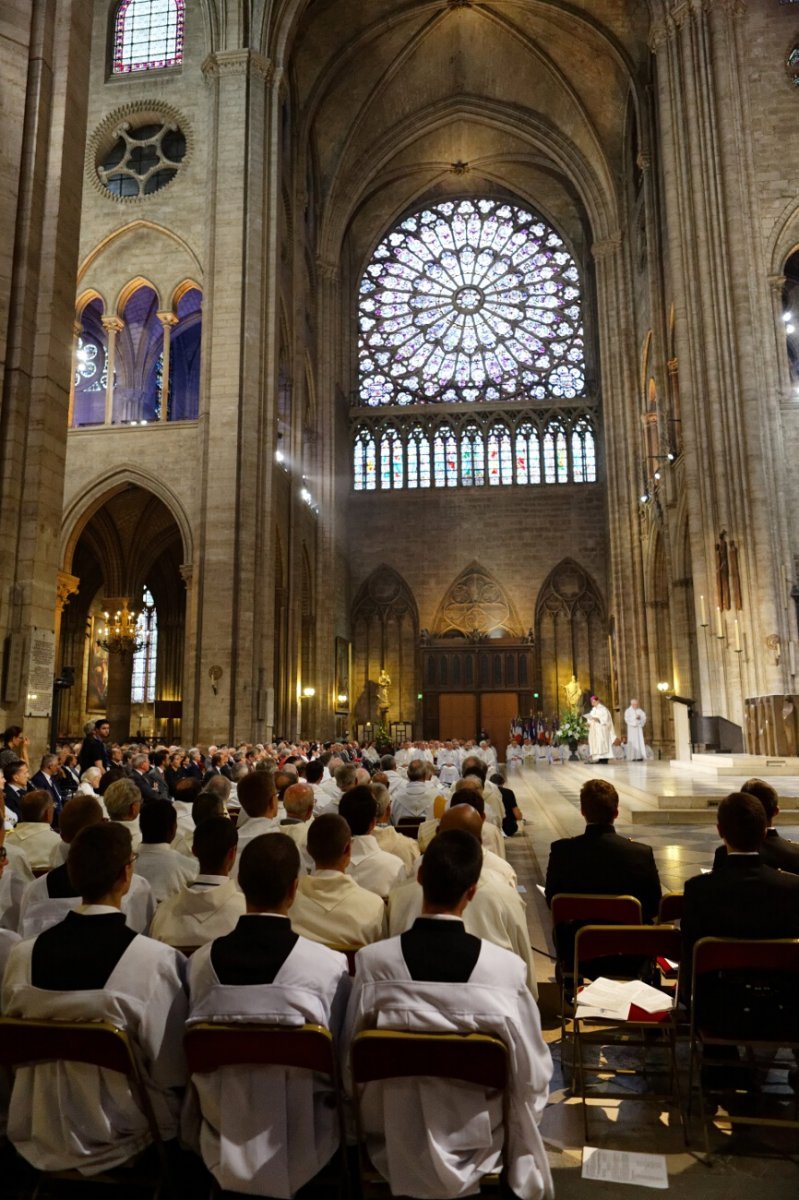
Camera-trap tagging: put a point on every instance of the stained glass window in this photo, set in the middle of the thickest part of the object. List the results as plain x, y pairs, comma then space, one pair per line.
91, 374
148, 35
365, 465
142, 687
528, 454
472, 457
445, 458
556, 464
583, 452
391, 460
470, 300
418, 458
500, 455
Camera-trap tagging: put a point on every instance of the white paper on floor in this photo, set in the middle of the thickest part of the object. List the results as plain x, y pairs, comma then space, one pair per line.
619, 1166
612, 998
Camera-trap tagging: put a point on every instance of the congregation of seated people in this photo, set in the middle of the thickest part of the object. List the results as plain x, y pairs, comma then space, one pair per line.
160, 890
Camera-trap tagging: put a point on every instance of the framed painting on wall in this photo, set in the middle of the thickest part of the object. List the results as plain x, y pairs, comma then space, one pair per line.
97, 672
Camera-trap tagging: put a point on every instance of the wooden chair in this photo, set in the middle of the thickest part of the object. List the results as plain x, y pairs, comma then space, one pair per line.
670, 908
381, 1054
98, 1043
409, 826
570, 911
640, 1029
211, 1045
743, 994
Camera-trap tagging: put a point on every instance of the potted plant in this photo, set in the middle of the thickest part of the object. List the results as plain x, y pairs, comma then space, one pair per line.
573, 730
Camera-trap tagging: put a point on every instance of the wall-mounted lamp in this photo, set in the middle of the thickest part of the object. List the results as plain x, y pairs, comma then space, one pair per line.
663, 687
342, 699
308, 693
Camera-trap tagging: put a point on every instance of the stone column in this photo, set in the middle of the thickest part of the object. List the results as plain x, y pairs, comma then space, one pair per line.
112, 326
120, 674
233, 563
168, 320
66, 587
45, 89
733, 477
77, 330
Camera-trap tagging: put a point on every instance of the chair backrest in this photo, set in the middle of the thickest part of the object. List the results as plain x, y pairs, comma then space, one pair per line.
670, 908
98, 1043
626, 942
609, 910
475, 1058
409, 826
213, 1044
745, 990
440, 806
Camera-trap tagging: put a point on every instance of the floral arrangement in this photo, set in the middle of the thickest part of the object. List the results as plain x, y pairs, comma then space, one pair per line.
573, 728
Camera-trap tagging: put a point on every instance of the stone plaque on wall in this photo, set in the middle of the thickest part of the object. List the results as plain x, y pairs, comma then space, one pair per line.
41, 666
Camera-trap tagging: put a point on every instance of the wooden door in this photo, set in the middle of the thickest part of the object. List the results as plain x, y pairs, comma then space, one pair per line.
457, 715
497, 710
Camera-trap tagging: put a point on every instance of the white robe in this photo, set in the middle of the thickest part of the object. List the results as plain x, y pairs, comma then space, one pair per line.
635, 720
67, 1115
38, 911
331, 908
601, 733
199, 913
36, 840
496, 913
373, 868
435, 1138
267, 1130
165, 870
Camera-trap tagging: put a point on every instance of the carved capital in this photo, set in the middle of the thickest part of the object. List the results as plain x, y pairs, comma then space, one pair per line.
66, 586
607, 246
228, 63
643, 161
112, 324
167, 318
327, 271
776, 284
186, 574
673, 366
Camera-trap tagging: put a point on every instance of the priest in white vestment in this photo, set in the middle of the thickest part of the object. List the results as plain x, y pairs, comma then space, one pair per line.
265, 1130
635, 720
330, 907
601, 732
209, 905
432, 1138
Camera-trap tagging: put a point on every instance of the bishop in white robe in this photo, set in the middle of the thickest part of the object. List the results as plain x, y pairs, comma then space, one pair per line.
601, 732
635, 720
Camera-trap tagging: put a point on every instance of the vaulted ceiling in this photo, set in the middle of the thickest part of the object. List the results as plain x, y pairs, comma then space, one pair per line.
400, 102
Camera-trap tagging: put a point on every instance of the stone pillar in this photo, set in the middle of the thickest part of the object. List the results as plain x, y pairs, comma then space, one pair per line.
709, 198
187, 733
233, 564
112, 326
66, 587
43, 51
77, 330
168, 320
120, 674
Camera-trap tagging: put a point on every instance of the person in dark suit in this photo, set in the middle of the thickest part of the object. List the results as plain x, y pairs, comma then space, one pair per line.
140, 764
194, 768
600, 861
156, 776
16, 785
93, 751
775, 850
742, 897
46, 778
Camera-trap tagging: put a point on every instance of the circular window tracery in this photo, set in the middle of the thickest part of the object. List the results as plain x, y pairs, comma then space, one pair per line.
470, 300
143, 159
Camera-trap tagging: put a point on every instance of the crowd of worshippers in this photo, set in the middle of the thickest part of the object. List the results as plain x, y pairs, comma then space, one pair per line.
230, 890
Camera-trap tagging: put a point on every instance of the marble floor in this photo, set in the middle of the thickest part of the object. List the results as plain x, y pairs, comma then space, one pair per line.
549, 800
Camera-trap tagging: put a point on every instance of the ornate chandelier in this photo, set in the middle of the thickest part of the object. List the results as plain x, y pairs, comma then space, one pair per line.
120, 635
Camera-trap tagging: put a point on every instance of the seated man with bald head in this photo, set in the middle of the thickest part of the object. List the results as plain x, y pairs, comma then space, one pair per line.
298, 801
265, 1130
329, 906
48, 899
496, 913
468, 791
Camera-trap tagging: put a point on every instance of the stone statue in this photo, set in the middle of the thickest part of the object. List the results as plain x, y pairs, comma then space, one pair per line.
723, 571
574, 694
383, 684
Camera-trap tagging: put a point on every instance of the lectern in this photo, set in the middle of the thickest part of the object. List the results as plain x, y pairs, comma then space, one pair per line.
681, 712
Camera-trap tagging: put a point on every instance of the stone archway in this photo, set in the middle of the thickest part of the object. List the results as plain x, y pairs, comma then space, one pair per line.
129, 542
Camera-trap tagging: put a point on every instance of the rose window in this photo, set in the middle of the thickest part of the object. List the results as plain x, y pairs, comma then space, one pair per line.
472, 300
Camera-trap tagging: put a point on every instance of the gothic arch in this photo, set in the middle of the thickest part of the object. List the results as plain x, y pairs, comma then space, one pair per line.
476, 602
570, 635
385, 633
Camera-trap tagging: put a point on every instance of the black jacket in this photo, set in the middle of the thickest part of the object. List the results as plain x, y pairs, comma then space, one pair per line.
601, 862
776, 852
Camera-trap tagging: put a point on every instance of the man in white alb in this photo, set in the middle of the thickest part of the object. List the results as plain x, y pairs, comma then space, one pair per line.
635, 720
601, 733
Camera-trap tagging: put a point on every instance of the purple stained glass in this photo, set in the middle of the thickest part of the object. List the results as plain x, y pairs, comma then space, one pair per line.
471, 296
148, 35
